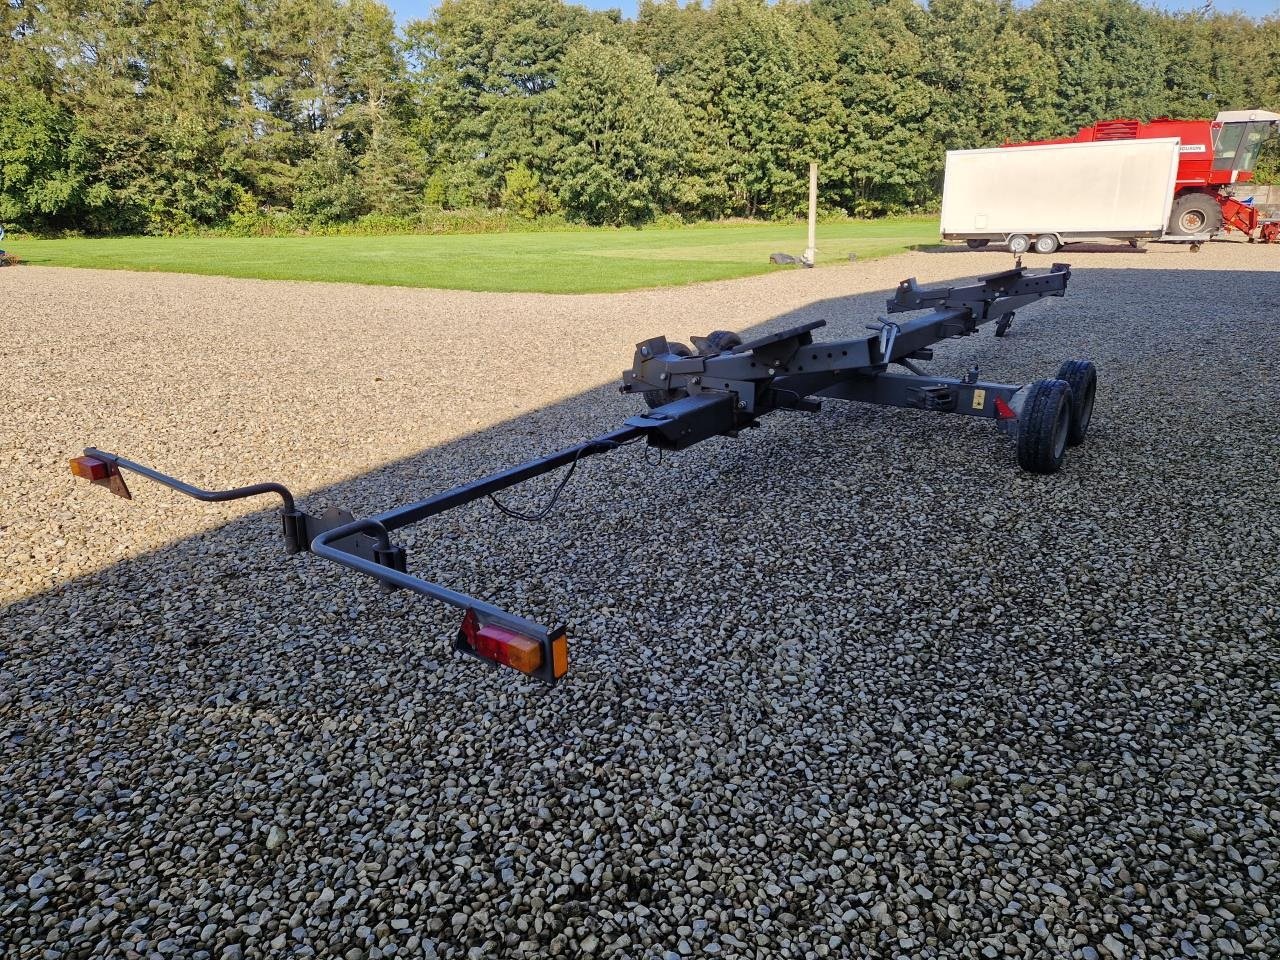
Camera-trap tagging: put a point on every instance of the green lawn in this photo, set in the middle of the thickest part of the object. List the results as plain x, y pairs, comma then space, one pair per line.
589, 261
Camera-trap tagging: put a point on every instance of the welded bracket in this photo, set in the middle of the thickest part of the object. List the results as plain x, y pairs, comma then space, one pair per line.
303, 528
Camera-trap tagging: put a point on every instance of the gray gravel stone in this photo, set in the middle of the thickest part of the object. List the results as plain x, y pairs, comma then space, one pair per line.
870, 692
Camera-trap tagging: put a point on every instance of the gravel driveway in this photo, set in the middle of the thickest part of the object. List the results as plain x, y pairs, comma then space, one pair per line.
866, 690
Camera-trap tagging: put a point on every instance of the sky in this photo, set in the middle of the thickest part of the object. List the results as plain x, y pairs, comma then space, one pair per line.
414, 9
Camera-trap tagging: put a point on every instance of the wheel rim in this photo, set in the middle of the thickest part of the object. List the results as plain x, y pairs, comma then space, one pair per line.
1060, 428
1192, 221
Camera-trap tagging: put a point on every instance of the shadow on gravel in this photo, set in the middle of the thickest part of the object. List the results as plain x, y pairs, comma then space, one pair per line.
255, 537
588, 414
844, 638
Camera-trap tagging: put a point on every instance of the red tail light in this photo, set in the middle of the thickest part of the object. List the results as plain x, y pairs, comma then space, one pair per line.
1004, 411
104, 473
90, 468
500, 645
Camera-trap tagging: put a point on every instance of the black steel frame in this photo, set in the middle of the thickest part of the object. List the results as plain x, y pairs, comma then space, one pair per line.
717, 394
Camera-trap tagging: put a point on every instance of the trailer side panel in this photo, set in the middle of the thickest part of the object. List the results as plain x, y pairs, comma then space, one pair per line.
1120, 188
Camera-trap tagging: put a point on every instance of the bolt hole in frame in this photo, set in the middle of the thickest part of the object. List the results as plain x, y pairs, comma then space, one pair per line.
718, 391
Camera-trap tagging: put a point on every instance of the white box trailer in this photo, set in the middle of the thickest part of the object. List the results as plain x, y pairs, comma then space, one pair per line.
1046, 195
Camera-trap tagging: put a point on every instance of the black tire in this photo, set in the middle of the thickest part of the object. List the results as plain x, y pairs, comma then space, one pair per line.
1047, 243
1018, 244
1004, 323
1043, 426
1195, 213
975, 244
660, 398
1082, 377
721, 341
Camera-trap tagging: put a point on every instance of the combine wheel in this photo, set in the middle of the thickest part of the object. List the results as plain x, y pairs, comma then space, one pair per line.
1047, 243
721, 341
1082, 377
660, 398
975, 244
1044, 426
1018, 244
1195, 213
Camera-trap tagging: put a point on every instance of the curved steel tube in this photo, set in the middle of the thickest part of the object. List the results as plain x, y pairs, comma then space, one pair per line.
208, 496
322, 546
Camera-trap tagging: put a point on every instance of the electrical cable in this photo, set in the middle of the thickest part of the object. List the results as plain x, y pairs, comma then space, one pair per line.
564, 481
555, 496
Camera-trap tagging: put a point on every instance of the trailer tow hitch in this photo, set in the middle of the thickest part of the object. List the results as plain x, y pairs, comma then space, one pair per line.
728, 385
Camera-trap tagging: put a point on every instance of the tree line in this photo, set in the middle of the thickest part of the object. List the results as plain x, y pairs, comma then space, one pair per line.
161, 116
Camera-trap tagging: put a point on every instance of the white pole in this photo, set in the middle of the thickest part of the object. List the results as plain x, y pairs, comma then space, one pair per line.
811, 251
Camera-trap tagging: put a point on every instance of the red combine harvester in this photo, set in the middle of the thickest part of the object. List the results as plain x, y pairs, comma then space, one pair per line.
1214, 155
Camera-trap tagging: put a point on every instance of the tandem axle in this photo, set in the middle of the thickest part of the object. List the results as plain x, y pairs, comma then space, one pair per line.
718, 387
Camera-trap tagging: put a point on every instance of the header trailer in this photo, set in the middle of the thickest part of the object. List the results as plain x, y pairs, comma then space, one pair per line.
723, 387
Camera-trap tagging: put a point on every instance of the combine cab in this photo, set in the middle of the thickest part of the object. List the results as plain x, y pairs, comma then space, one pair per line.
1213, 156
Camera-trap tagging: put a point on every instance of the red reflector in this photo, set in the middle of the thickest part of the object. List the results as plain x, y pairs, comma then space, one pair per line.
1004, 411
500, 645
90, 468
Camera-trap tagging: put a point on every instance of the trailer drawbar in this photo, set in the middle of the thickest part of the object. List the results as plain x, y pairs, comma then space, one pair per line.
718, 387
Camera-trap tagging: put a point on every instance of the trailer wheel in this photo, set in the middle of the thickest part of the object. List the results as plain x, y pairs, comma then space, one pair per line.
975, 244
1047, 243
1195, 213
660, 398
1044, 426
1082, 377
721, 341
1018, 244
